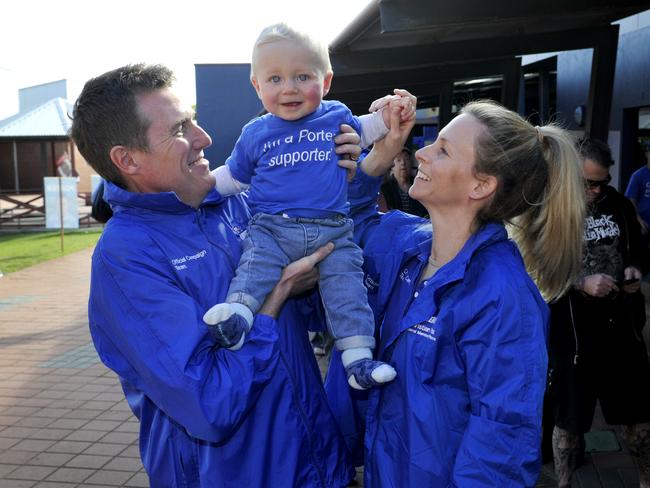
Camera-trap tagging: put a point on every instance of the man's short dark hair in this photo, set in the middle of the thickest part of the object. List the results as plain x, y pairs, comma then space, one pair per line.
106, 114
597, 151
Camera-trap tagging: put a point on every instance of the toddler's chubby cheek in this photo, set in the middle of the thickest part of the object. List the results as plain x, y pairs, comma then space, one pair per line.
314, 93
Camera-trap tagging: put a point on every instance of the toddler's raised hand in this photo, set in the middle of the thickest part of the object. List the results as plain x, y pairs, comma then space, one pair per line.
401, 100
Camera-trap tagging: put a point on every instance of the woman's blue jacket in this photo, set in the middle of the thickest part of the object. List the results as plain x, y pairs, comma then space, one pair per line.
469, 348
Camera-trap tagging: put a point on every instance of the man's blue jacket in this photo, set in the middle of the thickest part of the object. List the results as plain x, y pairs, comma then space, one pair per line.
469, 348
209, 417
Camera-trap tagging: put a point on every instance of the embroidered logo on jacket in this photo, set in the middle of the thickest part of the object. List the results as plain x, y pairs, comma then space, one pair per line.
425, 330
239, 230
371, 284
404, 275
182, 262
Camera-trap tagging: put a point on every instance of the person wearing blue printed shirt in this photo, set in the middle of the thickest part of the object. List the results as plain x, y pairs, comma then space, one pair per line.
458, 314
638, 191
298, 196
208, 417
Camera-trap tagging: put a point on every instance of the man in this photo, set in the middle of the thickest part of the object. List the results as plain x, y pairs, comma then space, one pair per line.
208, 417
596, 350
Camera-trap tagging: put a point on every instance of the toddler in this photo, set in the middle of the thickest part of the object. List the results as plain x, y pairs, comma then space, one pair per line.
298, 196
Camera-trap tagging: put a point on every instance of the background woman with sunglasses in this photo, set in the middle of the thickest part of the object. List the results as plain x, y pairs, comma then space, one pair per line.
596, 350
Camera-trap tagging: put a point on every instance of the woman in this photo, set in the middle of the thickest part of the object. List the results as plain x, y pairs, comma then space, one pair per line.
459, 317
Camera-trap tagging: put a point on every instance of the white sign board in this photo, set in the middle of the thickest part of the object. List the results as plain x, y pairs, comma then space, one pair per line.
54, 194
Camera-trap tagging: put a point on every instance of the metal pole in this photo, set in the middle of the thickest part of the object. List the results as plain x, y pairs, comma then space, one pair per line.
61, 211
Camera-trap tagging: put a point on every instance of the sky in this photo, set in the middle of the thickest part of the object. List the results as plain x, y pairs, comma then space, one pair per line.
50, 40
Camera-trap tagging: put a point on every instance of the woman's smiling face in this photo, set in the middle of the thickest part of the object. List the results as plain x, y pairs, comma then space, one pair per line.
446, 167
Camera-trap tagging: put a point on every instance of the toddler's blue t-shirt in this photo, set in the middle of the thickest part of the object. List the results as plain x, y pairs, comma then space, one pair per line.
291, 165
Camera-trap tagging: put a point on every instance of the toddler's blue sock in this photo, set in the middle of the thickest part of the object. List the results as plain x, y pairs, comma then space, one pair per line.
362, 371
229, 323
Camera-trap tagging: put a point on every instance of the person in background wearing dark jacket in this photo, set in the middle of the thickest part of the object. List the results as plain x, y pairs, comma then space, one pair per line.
100, 210
395, 189
596, 350
208, 417
459, 316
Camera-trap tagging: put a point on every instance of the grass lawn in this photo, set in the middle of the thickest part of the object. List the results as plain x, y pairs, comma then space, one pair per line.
18, 251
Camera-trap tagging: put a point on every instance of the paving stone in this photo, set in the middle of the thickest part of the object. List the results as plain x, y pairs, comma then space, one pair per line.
115, 478
6, 469
110, 397
52, 412
36, 445
82, 414
67, 423
82, 395
129, 427
67, 403
53, 394
35, 473
13, 456
131, 451
104, 425
6, 443
139, 480
71, 475
88, 461
54, 484
8, 420
115, 415
97, 405
64, 386
9, 483
104, 449
50, 459
38, 422
120, 437
125, 464
51, 434
32, 402
19, 432
20, 411
70, 447
86, 435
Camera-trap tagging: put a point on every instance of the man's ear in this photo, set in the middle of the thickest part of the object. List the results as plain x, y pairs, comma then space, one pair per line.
327, 82
256, 85
484, 187
122, 158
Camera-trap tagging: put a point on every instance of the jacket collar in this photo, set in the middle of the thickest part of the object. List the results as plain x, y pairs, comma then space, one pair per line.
488, 234
168, 202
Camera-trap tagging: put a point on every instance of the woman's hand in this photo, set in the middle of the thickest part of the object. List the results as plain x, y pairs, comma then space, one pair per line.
297, 277
347, 145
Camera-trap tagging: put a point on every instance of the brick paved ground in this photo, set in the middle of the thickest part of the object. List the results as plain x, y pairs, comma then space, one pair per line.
63, 418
